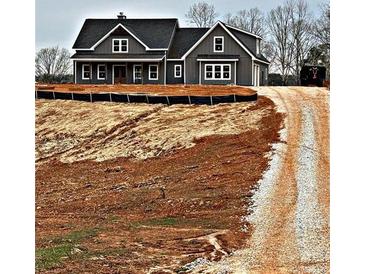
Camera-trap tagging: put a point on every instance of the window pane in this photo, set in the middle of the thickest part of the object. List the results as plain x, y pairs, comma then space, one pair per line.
218, 40
86, 74
101, 68
116, 48
116, 42
226, 68
209, 68
217, 68
124, 42
153, 68
209, 75
124, 48
101, 74
153, 75
217, 75
218, 47
226, 75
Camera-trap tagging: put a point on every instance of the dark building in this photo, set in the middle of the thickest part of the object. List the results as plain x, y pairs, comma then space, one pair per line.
158, 51
312, 75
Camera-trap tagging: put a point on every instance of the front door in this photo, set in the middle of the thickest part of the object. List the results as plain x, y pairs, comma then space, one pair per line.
120, 74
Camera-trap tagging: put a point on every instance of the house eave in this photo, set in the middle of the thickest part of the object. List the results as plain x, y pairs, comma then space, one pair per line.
119, 59
217, 59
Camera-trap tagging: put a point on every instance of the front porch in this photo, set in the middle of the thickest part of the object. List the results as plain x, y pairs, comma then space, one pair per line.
143, 71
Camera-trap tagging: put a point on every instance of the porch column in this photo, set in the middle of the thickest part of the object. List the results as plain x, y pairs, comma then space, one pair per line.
200, 72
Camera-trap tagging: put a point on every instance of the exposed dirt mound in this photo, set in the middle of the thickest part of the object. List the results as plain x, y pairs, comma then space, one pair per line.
151, 89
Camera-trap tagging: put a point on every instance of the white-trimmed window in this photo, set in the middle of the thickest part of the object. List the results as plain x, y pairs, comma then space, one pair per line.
217, 71
101, 71
153, 72
218, 43
86, 71
177, 71
137, 72
120, 45
257, 46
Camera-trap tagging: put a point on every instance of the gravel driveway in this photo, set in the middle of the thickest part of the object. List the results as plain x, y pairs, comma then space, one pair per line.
290, 211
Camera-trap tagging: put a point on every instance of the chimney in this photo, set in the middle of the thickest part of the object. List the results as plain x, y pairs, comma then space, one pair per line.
121, 15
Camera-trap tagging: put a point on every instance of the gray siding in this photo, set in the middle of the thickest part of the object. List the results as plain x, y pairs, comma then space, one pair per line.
134, 47
264, 70
170, 76
109, 75
244, 65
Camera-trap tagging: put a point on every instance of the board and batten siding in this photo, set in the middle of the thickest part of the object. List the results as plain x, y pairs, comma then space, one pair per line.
244, 65
264, 70
170, 73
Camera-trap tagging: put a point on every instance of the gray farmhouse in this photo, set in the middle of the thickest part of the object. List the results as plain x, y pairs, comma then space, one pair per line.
158, 51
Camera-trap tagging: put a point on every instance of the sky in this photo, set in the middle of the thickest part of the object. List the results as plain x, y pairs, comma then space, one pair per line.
58, 22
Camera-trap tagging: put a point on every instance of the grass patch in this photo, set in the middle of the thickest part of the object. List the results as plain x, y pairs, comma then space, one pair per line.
181, 222
52, 256
77, 236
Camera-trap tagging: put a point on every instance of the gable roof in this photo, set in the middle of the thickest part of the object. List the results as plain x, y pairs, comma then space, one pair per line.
153, 33
219, 23
242, 31
239, 35
183, 40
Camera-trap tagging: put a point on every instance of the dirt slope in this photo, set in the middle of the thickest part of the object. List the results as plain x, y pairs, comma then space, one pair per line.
178, 196
73, 131
290, 215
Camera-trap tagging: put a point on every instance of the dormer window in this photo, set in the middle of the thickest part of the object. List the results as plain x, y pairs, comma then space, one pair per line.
120, 45
218, 43
257, 46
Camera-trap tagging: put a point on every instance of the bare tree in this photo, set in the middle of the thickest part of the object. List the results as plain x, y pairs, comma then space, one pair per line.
279, 23
321, 32
252, 20
321, 28
301, 36
52, 61
201, 14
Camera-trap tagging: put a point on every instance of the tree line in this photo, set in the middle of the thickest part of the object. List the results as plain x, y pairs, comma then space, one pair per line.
292, 36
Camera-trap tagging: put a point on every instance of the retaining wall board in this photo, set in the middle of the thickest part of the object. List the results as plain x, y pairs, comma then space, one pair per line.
223, 99
63, 96
119, 98
44, 94
101, 97
157, 99
82, 97
142, 98
200, 100
178, 100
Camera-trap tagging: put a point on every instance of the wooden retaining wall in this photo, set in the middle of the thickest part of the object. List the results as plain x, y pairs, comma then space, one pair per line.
143, 98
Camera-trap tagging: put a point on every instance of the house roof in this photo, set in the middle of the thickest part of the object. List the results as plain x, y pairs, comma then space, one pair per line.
155, 33
90, 56
183, 40
239, 35
216, 56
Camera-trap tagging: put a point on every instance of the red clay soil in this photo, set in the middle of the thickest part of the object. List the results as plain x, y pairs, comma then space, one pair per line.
134, 216
201, 90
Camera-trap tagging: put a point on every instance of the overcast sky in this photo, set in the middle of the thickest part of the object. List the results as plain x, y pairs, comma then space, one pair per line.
59, 21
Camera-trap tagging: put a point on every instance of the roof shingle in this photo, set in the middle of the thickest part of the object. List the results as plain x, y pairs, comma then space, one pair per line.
155, 33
